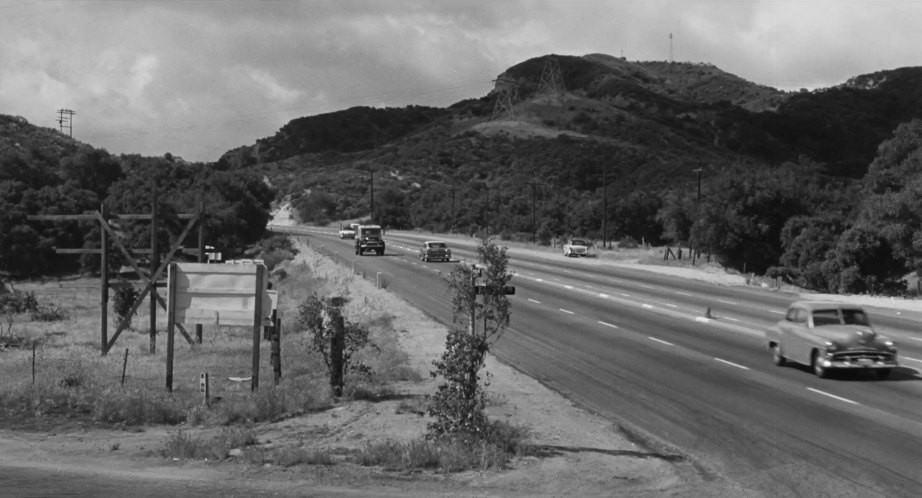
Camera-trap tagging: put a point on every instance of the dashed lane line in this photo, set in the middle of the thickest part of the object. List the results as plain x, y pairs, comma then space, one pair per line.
532, 300
737, 365
566, 311
660, 341
608, 324
833, 396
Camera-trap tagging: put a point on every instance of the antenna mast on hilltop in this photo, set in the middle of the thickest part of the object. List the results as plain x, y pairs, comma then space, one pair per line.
66, 120
505, 100
670, 48
551, 83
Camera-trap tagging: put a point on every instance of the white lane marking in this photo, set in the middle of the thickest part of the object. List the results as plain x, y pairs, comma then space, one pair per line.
539, 280
702, 319
671, 305
833, 396
532, 300
777, 312
608, 325
646, 286
916, 339
660, 341
731, 319
568, 287
566, 311
603, 296
737, 365
646, 306
625, 295
725, 301
683, 293
912, 359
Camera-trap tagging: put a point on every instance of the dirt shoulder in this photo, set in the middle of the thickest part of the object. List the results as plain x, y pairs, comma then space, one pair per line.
585, 455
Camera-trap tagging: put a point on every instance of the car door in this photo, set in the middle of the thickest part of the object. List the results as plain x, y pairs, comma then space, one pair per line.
800, 332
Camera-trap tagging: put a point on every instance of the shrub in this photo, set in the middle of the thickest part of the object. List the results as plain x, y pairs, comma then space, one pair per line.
125, 297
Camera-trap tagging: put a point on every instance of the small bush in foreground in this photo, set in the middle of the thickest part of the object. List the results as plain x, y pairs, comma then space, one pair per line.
501, 442
184, 446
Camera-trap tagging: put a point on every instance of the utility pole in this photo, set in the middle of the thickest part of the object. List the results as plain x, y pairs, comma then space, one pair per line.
371, 182
697, 207
66, 120
604, 208
534, 219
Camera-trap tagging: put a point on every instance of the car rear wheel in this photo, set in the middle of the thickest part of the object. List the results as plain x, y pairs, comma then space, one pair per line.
778, 356
818, 369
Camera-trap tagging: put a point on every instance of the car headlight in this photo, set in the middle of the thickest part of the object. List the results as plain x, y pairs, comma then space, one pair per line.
890, 344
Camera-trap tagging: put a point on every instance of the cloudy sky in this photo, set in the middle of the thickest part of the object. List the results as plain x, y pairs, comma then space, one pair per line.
197, 78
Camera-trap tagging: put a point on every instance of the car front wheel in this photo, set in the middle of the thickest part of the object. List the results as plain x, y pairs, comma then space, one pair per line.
778, 356
818, 369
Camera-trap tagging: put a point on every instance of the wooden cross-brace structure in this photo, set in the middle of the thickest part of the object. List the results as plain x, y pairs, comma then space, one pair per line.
193, 220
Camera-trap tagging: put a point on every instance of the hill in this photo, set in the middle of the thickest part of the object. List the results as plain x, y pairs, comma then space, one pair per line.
647, 124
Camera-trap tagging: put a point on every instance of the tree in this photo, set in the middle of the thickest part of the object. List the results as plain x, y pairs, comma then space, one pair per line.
458, 404
334, 337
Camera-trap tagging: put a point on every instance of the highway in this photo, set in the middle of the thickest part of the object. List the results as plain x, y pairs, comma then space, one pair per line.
637, 348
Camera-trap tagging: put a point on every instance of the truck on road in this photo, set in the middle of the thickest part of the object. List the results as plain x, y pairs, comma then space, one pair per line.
369, 238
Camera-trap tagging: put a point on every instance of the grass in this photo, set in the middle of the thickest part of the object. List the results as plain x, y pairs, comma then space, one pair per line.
73, 380
499, 443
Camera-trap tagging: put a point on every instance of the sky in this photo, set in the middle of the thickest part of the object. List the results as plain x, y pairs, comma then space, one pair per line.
198, 78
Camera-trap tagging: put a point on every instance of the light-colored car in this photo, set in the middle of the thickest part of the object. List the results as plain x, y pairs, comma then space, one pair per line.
434, 250
830, 336
576, 248
346, 233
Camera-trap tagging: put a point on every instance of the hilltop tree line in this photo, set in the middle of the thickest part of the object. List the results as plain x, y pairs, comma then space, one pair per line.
793, 220
34, 182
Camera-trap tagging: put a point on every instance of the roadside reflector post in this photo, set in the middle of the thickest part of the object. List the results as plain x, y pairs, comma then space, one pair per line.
203, 387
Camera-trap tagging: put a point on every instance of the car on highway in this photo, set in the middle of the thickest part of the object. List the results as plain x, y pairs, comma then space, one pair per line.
346, 232
434, 250
576, 248
828, 336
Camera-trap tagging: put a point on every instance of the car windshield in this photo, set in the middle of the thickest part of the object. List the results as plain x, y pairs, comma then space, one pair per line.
826, 317
855, 317
371, 232
578, 242
437, 244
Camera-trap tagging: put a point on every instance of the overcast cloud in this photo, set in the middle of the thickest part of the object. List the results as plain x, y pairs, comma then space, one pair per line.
196, 79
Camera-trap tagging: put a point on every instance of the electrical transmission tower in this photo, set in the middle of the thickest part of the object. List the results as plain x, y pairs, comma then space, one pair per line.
507, 94
66, 120
551, 84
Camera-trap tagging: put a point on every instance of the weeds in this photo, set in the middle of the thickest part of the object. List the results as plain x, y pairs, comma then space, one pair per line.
184, 446
501, 442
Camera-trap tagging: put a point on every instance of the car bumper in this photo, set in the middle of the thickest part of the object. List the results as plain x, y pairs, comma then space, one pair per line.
859, 364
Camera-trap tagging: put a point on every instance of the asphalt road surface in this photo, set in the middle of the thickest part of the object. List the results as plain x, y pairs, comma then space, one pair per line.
638, 348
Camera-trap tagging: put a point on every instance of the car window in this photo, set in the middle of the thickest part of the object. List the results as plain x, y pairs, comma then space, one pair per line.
855, 317
436, 244
826, 317
578, 242
801, 316
792, 315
